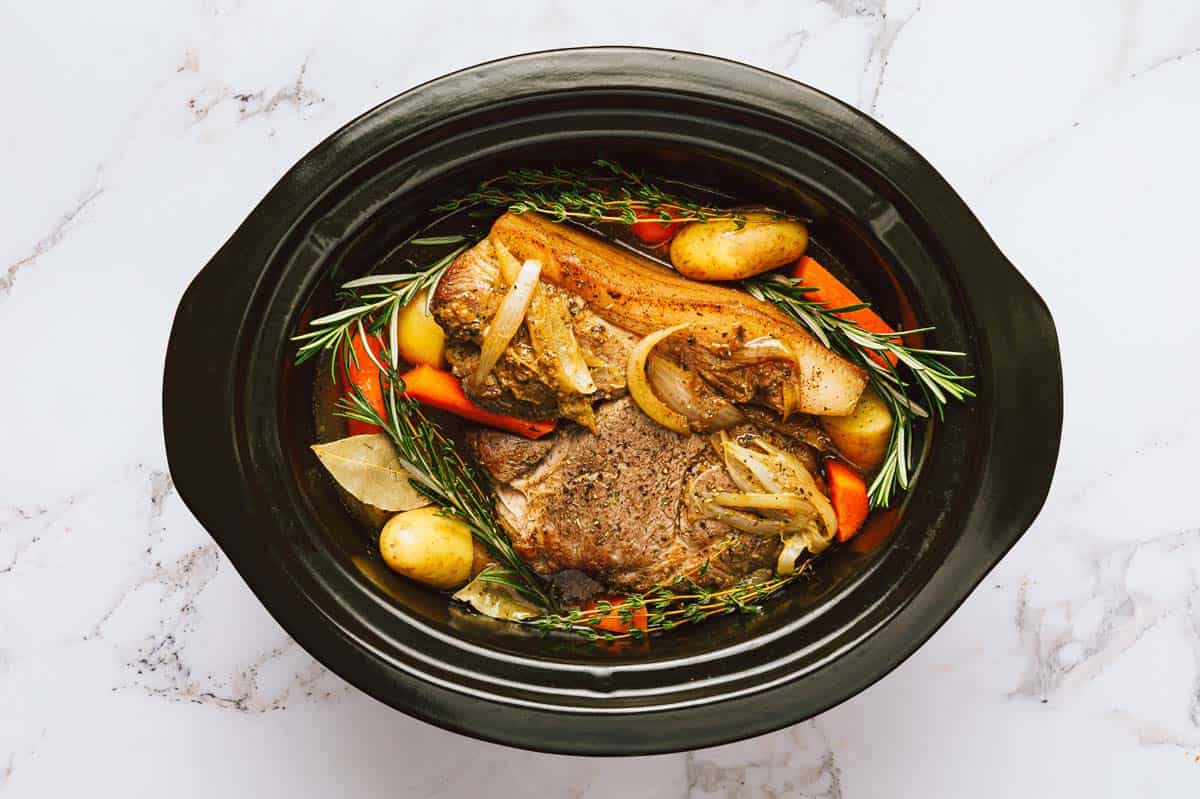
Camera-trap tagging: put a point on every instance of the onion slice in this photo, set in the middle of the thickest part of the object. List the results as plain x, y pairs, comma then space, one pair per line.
639, 386
509, 265
672, 384
793, 547
550, 332
747, 522
804, 483
792, 504
778, 496
763, 348
758, 467
508, 318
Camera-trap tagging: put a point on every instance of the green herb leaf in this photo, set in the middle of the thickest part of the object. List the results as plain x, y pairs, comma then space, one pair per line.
937, 383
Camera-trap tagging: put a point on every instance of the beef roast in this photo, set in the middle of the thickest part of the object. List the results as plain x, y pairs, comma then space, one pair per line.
616, 296
620, 504
617, 497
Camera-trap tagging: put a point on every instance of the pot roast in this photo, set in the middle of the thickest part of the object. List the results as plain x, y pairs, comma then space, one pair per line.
617, 496
623, 505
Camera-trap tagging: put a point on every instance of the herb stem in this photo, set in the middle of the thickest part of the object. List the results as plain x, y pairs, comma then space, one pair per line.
937, 383
666, 608
440, 473
388, 293
614, 194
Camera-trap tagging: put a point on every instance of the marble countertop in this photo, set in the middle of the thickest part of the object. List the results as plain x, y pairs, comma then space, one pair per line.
134, 662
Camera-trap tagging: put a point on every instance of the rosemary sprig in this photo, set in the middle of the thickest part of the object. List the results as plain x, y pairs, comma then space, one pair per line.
938, 383
371, 302
440, 473
611, 194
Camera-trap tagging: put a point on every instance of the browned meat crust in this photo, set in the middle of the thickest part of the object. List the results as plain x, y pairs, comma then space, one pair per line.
615, 296
619, 504
522, 384
637, 295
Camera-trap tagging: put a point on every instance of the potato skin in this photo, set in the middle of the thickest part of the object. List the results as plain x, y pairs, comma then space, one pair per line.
425, 546
419, 338
862, 437
719, 250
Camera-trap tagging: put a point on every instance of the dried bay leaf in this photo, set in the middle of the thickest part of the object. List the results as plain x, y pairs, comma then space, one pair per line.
495, 600
366, 466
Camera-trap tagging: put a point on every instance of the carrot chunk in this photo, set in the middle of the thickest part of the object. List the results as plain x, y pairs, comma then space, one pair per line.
848, 493
619, 619
362, 372
835, 294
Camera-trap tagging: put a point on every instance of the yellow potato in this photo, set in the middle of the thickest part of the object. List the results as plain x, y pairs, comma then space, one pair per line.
862, 437
427, 547
719, 250
420, 339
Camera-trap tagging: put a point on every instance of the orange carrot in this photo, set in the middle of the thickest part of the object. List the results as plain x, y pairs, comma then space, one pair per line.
361, 371
443, 390
834, 294
612, 621
848, 493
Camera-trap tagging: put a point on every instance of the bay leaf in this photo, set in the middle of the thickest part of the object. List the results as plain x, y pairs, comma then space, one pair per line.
367, 467
495, 600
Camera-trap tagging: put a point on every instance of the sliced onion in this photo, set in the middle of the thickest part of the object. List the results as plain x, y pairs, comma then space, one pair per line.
549, 331
671, 383
793, 504
747, 522
794, 546
782, 493
789, 399
509, 265
726, 416
508, 318
763, 348
805, 484
741, 476
639, 387
758, 466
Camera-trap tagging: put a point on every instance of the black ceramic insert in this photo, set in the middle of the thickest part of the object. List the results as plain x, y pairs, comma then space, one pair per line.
238, 416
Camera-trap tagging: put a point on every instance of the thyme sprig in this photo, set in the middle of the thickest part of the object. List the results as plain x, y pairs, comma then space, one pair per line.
938, 383
682, 601
437, 470
370, 303
610, 194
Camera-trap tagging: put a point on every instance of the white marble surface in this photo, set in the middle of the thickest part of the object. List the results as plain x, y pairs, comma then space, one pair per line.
136, 135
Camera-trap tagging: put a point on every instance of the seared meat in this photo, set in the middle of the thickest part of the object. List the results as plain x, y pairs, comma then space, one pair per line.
522, 383
507, 457
635, 297
621, 504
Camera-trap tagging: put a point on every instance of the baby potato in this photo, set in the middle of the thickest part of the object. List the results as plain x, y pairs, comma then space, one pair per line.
420, 339
427, 547
862, 437
719, 250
